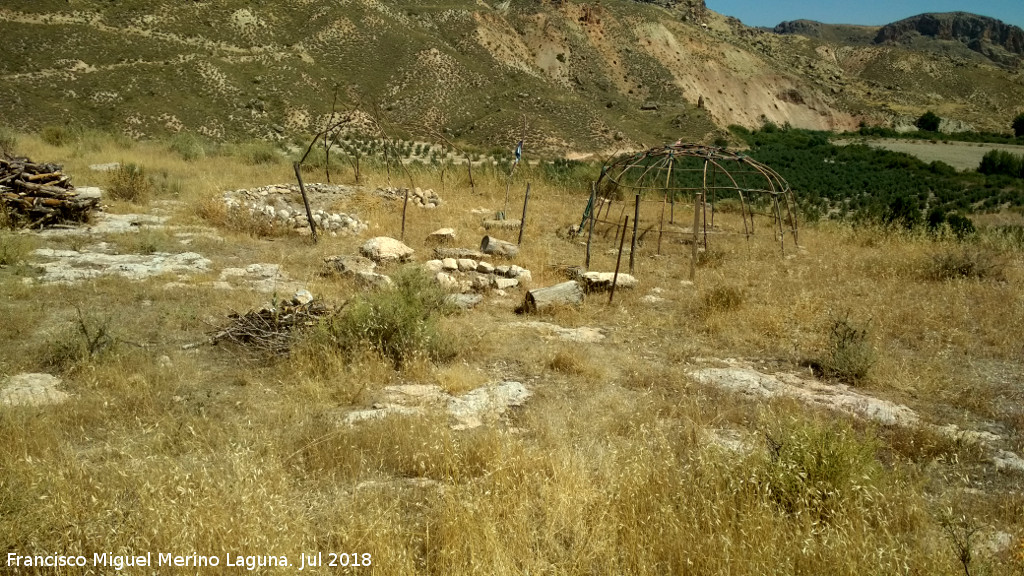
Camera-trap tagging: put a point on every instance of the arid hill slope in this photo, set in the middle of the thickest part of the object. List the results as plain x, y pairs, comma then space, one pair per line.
578, 76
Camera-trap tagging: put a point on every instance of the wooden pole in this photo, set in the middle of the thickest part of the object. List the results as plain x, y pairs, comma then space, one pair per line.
618, 261
698, 202
327, 154
792, 220
405, 205
661, 222
305, 200
672, 210
704, 215
632, 244
508, 183
693, 251
590, 232
778, 218
522, 221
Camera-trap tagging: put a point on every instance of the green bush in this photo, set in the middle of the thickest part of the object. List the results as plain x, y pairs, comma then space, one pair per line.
87, 338
257, 153
58, 135
960, 225
818, 468
928, 122
399, 323
8, 141
849, 356
14, 248
1018, 125
1001, 162
129, 182
189, 146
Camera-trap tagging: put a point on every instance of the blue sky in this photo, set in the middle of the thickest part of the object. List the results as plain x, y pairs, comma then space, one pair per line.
870, 12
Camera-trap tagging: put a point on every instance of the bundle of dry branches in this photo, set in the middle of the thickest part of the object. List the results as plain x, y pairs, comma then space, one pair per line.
37, 195
272, 330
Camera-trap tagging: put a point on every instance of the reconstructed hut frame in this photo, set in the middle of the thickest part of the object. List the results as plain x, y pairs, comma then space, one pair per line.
705, 174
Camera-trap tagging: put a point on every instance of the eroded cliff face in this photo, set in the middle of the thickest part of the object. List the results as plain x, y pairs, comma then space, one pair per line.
970, 29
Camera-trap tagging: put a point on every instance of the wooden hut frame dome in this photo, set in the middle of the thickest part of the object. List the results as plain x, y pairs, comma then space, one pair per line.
704, 174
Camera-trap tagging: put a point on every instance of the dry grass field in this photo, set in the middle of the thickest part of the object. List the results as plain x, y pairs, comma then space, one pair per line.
960, 155
622, 460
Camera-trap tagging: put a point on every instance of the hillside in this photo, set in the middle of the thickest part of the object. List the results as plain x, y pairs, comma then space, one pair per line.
578, 76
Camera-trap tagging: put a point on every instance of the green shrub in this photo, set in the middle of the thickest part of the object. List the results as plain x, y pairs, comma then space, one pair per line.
14, 248
1001, 162
129, 182
1018, 125
257, 153
8, 141
928, 122
849, 356
960, 225
189, 146
818, 468
87, 338
399, 323
59, 135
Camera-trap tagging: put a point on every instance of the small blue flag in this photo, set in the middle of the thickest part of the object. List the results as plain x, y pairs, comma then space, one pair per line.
519, 152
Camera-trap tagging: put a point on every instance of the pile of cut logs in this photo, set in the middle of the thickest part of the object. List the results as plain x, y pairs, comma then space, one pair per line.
38, 195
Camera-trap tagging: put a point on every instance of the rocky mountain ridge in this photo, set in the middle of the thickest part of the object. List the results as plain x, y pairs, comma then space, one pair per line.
969, 29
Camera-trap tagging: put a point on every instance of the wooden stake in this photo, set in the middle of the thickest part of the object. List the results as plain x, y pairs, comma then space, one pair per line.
405, 204
522, 221
632, 244
618, 261
305, 200
704, 215
590, 232
327, 153
778, 219
792, 221
661, 222
693, 251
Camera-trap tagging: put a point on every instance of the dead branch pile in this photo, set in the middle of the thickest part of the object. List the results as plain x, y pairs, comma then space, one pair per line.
272, 330
37, 195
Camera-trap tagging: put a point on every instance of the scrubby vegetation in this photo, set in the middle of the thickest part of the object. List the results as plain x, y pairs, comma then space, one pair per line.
399, 323
8, 141
928, 122
849, 355
819, 469
1002, 163
130, 182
